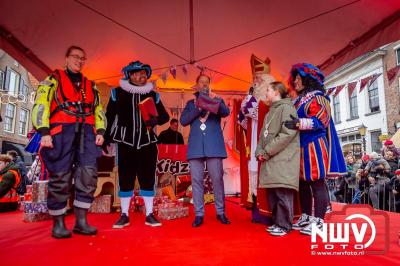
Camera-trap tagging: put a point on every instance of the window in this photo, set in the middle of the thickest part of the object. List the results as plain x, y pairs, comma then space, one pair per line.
12, 81
398, 56
373, 97
1, 79
9, 118
353, 105
336, 109
350, 138
23, 122
23, 90
376, 144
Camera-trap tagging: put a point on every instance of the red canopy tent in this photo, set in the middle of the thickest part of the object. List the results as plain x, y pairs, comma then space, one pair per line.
219, 35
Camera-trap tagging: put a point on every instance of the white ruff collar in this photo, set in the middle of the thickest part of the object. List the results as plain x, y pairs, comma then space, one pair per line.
126, 86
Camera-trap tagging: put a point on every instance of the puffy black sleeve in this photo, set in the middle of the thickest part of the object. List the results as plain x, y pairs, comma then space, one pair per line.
111, 112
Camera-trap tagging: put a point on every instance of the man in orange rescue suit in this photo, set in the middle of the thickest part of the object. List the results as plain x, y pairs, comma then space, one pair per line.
68, 114
10, 178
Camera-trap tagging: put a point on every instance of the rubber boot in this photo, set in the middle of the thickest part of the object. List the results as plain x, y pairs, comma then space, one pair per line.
59, 230
81, 225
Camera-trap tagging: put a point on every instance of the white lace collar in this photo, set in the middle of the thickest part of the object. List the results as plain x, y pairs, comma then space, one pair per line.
126, 86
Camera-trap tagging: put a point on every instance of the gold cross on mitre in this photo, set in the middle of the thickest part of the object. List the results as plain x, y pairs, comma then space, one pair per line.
259, 66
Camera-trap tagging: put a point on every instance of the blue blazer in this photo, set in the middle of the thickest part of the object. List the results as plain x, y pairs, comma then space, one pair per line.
207, 143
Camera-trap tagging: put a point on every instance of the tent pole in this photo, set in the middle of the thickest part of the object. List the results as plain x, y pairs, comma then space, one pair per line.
191, 32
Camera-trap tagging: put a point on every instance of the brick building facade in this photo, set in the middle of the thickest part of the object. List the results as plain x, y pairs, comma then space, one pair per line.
376, 107
17, 89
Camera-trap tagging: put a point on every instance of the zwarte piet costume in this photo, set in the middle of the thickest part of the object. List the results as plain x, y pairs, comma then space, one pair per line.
136, 140
321, 154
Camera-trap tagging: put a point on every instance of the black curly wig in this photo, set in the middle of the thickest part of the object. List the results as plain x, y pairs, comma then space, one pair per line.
309, 84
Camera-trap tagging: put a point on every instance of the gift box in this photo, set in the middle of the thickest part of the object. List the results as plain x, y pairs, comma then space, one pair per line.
39, 191
138, 201
173, 210
35, 207
167, 209
137, 204
160, 200
36, 217
101, 204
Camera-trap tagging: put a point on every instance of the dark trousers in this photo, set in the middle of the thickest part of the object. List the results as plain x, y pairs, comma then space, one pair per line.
141, 163
314, 191
70, 159
281, 203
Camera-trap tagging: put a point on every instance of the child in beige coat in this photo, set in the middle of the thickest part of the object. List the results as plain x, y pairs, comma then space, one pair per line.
278, 150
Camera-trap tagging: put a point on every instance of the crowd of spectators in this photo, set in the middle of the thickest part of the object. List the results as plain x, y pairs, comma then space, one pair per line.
373, 179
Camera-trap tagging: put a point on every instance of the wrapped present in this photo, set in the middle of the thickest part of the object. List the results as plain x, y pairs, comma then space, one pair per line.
28, 197
136, 208
36, 217
101, 204
172, 210
29, 189
138, 201
137, 204
35, 207
157, 200
39, 191
155, 210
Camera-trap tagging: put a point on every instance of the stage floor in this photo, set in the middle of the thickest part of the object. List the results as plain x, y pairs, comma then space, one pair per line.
174, 243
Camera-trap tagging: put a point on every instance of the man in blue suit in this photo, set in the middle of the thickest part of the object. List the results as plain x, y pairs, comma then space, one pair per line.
206, 144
